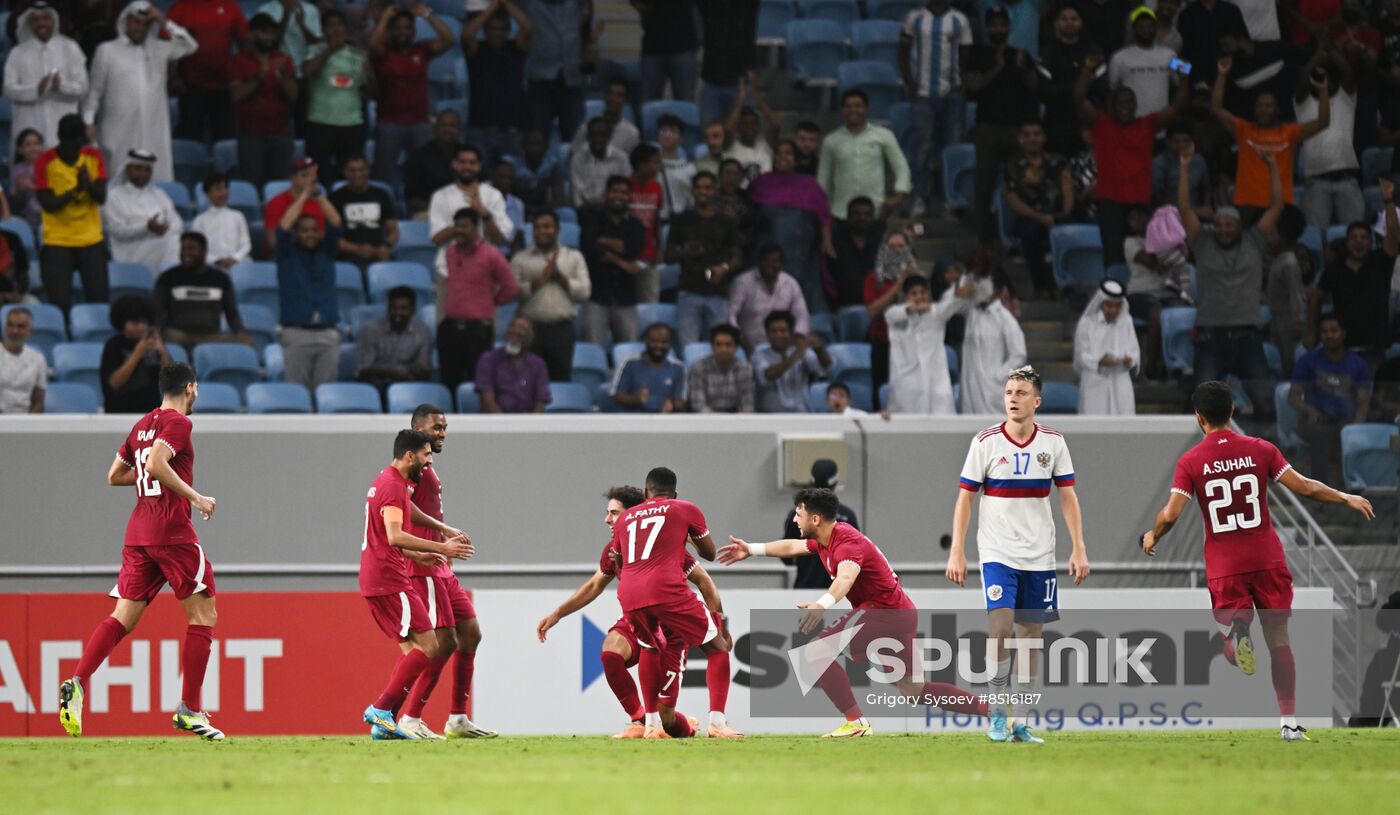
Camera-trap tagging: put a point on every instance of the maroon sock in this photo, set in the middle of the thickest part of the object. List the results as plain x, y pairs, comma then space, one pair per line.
423, 688
837, 687
193, 661
717, 680
406, 671
1285, 677
680, 727
104, 638
615, 669
463, 665
945, 693
649, 672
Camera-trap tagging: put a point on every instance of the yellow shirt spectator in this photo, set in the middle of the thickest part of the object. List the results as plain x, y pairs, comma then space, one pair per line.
79, 222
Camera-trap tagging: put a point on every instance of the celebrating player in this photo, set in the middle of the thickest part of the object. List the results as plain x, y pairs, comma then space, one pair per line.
861, 573
454, 618
620, 647
161, 546
1228, 473
1014, 464
386, 579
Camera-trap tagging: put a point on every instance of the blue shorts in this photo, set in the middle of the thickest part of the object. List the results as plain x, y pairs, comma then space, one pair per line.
1034, 595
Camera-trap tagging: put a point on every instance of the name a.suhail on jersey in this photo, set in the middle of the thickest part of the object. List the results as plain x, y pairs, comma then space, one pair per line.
1226, 465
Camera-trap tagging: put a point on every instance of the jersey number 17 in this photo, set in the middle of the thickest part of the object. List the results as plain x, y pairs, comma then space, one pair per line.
652, 528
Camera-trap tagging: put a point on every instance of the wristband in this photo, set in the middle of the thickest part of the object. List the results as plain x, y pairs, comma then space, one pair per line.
758, 549
826, 600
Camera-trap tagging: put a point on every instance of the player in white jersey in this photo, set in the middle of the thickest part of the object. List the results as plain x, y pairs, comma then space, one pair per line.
1014, 465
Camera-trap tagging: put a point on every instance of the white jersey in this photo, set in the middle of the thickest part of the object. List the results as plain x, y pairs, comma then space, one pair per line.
1014, 524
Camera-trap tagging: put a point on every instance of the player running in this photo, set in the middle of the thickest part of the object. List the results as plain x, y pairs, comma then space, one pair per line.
448, 604
860, 573
386, 579
1228, 473
621, 649
161, 546
1014, 464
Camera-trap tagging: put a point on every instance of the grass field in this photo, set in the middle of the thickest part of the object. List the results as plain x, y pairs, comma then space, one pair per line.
1346, 771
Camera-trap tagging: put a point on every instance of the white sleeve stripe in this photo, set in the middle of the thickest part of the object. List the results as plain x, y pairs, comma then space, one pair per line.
168, 446
848, 560
124, 461
1286, 468
1182, 493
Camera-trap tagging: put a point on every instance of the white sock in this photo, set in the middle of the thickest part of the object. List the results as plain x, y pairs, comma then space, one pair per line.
654, 720
716, 718
1000, 684
409, 720
1287, 721
457, 718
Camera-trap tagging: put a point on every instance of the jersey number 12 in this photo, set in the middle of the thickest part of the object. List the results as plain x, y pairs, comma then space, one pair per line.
146, 486
652, 528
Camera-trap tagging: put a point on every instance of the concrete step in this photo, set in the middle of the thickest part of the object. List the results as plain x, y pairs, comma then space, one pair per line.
1041, 353
1044, 330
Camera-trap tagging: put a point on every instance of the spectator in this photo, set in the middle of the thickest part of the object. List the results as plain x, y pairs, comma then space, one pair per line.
1331, 389
511, 379
1155, 283
856, 241
428, 167
1105, 22
190, 298
503, 179
677, 171
919, 377
808, 138
645, 206
304, 175
45, 75
554, 69
496, 74
141, 220
784, 370
1024, 16
1230, 275
993, 343
310, 310
132, 358
1002, 80
28, 146
1167, 35
24, 373
930, 43
1261, 67
731, 27
1084, 171
70, 182
1040, 192
1354, 48
734, 202
721, 382
371, 228
1290, 272
1059, 67
401, 73
1166, 165
1331, 194
1122, 144
622, 134
14, 268
1144, 65
553, 279
206, 111
478, 281
717, 142
127, 99
753, 153
1261, 18
652, 383
1106, 353
1359, 285
792, 212
669, 43
853, 159
894, 264
395, 347
612, 241
264, 89
538, 180
300, 24
761, 291
1201, 25
838, 401
811, 575
224, 229
706, 246
339, 81
468, 191
589, 170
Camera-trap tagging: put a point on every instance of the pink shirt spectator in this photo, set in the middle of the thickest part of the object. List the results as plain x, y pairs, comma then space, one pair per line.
750, 301
478, 280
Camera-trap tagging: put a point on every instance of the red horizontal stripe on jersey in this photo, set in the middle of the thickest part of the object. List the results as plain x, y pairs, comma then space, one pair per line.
1017, 492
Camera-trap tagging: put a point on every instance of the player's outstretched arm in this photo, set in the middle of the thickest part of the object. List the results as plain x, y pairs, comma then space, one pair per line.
426, 521
158, 466
452, 548
704, 546
738, 549
1305, 487
709, 592
957, 553
120, 475
585, 594
1074, 520
846, 575
1166, 519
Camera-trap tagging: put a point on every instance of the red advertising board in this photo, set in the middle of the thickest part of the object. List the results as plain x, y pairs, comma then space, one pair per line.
282, 663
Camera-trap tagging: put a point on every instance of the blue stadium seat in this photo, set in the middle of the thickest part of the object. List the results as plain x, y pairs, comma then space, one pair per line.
256, 282
258, 321
128, 278
1004, 218
590, 365
687, 112
1275, 360
814, 49
569, 215
895, 10
458, 104
347, 397
191, 162
1287, 417
414, 233
860, 396
1077, 250
1178, 346
648, 313
880, 81
216, 397
345, 369
959, 160
1119, 272
852, 323
841, 12
232, 363
385, 276
359, 315
24, 232
669, 276
569, 397
274, 363
226, 155
954, 363
593, 108
693, 352
447, 78
885, 396
622, 352
1367, 460
405, 396
504, 314
179, 196
427, 315
349, 287
850, 363
901, 123
1375, 162
823, 326
277, 397
467, 400
773, 17
876, 40
71, 397
90, 322
78, 362
1059, 398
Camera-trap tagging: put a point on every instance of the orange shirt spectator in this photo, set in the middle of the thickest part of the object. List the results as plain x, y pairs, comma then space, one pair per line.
1251, 174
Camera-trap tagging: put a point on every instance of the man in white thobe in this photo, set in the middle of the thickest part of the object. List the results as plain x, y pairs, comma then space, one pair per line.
45, 76
141, 221
993, 344
127, 99
919, 378
1106, 353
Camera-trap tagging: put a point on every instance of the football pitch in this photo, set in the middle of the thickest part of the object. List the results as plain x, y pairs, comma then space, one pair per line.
1351, 771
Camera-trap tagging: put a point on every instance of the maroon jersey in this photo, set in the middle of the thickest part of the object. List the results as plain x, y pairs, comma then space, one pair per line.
1229, 474
161, 517
383, 568
427, 496
877, 586
606, 566
651, 539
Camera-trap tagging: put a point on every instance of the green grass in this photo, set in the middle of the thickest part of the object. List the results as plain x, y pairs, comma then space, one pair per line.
1344, 771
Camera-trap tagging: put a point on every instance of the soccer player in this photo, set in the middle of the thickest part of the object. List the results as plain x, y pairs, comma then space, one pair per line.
161, 547
1228, 473
1014, 464
621, 649
859, 573
386, 577
454, 618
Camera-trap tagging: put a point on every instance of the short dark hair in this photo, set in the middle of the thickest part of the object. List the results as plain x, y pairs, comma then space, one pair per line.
545, 213
1026, 373
1214, 402
132, 307
859, 201
614, 180
214, 180
857, 92
661, 480
197, 237
423, 411
627, 495
724, 330
653, 326
734, 161
596, 121
467, 148
808, 126
1358, 225
818, 501
1291, 224
769, 249
643, 153
261, 20
838, 386
409, 441
403, 293
1331, 316
670, 120
779, 316
405, 13
468, 213
704, 174
915, 281
174, 377
1179, 126
333, 14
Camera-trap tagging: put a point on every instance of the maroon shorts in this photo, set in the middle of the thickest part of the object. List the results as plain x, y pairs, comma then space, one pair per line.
896, 624
398, 614
1234, 597
684, 622
624, 630
447, 602
145, 569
